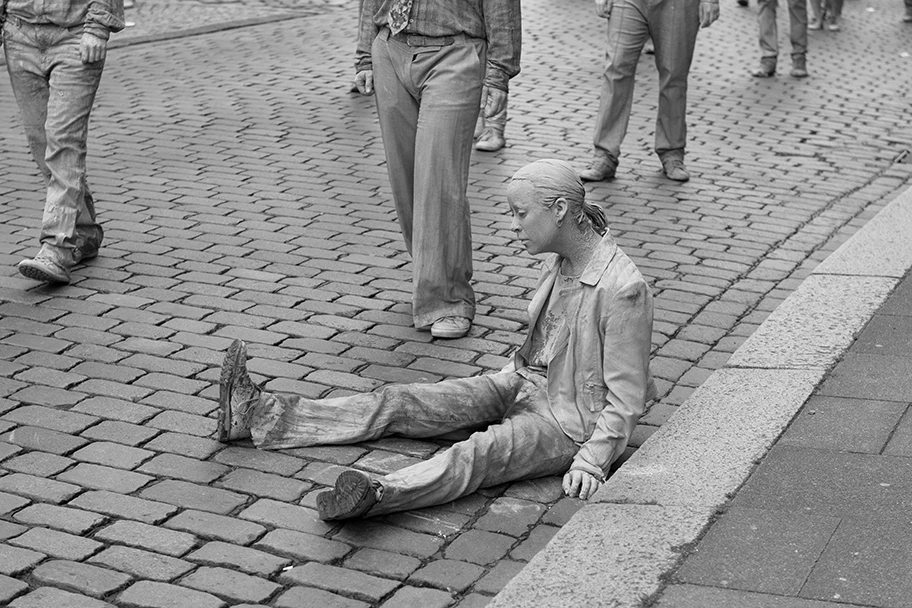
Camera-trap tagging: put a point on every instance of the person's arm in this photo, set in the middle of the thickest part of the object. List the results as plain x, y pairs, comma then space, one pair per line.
367, 31
503, 29
104, 17
627, 343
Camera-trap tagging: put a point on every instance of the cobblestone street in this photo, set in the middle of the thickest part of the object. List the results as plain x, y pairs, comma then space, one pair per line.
243, 193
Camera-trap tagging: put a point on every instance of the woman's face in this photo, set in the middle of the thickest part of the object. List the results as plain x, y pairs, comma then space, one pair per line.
534, 224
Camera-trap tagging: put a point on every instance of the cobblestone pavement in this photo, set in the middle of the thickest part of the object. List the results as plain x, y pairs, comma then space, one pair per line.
243, 194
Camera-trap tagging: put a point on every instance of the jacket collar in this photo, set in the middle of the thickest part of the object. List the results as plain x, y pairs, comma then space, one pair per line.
601, 258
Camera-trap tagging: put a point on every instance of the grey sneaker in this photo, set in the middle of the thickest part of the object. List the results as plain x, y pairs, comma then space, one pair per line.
44, 268
799, 66
601, 167
674, 169
237, 395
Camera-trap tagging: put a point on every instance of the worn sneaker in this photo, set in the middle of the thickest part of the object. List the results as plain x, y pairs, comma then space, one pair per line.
44, 268
451, 327
674, 169
352, 496
815, 23
237, 395
601, 167
799, 66
767, 69
907, 17
833, 23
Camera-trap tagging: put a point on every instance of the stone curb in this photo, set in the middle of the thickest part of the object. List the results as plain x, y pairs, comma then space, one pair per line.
616, 550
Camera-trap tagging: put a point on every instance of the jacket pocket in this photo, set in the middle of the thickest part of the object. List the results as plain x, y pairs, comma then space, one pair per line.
595, 396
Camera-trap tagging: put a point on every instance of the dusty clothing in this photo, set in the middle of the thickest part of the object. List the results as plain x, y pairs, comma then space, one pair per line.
578, 413
100, 17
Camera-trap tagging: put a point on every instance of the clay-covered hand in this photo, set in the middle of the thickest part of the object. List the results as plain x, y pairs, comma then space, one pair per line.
603, 8
580, 483
364, 80
92, 48
709, 12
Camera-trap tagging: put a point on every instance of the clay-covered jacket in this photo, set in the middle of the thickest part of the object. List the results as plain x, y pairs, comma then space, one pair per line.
598, 379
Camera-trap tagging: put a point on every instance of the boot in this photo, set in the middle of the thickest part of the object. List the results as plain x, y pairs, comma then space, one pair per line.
492, 136
799, 66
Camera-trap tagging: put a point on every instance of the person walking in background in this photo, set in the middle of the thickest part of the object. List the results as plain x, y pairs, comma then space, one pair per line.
826, 14
673, 26
565, 405
55, 55
427, 60
769, 38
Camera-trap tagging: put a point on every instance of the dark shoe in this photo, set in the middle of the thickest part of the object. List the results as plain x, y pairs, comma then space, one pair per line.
451, 327
44, 268
742, 2
490, 140
674, 169
237, 395
907, 18
833, 23
353, 495
799, 66
815, 23
767, 69
601, 168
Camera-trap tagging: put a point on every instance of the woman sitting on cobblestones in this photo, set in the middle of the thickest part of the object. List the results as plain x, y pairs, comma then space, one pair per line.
566, 404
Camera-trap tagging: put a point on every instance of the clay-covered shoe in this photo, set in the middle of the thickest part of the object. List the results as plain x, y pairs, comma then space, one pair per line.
767, 69
490, 140
674, 169
451, 327
44, 268
352, 496
237, 395
601, 167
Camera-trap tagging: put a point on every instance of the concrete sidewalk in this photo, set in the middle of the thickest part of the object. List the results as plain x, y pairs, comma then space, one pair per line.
243, 194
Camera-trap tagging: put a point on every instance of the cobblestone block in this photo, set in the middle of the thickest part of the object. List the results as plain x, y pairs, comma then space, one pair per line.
113, 455
296, 597
338, 580
249, 560
142, 564
10, 503
448, 575
498, 577
152, 594
303, 546
119, 432
479, 547
115, 409
8, 449
265, 485
543, 489
57, 544
192, 496
210, 525
127, 507
181, 467
16, 560
65, 519
181, 402
105, 478
82, 578
437, 521
231, 584
49, 597
109, 388
510, 516
39, 464
51, 418
38, 488
538, 538
408, 597
179, 422
387, 538
43, 440
9, 530
186, 445
148, 537
10, 588
283, 515
381, 462
269, 462
383, 563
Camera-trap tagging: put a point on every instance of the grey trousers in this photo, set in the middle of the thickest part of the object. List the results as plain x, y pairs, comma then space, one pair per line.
673, 26
769, 33
427, 103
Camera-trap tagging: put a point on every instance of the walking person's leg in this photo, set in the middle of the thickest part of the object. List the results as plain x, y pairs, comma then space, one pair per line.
798, 36
769, 39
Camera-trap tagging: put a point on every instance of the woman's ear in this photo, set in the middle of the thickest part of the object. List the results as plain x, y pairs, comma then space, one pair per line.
560, 208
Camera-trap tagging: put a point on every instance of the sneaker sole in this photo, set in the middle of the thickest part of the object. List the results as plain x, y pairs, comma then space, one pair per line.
236, 351
350, 497
39, 274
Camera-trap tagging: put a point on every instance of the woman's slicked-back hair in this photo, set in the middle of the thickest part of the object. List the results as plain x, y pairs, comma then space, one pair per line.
553, 179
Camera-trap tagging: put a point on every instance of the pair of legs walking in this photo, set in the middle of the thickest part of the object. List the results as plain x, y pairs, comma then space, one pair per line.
428, 101
769, 37
55, 91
